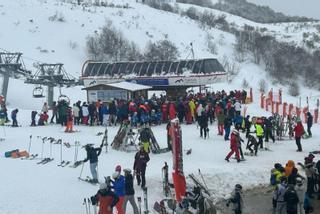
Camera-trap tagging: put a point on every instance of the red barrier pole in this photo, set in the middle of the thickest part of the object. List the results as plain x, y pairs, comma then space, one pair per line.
316, 115
305, 110
298, 111
272, 107
284, 109
277, 107
262, 101
280, 96
267, 104
290, 109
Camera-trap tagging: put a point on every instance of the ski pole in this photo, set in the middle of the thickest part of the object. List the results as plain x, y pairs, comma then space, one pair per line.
42, 147
81, 170
50, 149
29, 144
85, 204
60, 150
89, 205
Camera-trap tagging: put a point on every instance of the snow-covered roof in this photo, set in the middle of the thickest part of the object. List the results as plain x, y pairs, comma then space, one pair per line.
129, 86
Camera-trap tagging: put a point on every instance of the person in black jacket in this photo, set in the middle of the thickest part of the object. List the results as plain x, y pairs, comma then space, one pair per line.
309, 123
268, 129
92, 113
247, 125
92, 156
203, 122
236, 199
129, 192
252, 141
291, 198
140, 164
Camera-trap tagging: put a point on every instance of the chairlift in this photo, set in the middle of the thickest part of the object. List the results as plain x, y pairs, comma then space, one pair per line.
64, 98
38, 92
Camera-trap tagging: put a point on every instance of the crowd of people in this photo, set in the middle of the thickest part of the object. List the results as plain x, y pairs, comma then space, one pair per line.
289, 195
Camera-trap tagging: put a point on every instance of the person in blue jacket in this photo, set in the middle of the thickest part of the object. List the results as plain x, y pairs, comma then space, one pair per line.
119, 187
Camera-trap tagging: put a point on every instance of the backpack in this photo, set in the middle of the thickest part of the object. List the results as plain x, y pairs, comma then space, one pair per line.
273, 179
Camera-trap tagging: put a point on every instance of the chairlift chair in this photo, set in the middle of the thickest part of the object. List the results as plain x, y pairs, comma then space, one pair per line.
38, 92
63, 97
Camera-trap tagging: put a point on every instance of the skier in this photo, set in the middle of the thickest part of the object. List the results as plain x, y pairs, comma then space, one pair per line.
236, 199
76, 114
54, 112
14, 117
309, 167
252, 142
106, 199
292, 200
145, 139
119, 188
92, 156
140, 164
220, 118
309, 123
247, 125
234, 146
85, 113
259, 133
278, 196
69, 127
203, 122
227, 127
33, 118
45, 107
298, 132
129, 191
268, 127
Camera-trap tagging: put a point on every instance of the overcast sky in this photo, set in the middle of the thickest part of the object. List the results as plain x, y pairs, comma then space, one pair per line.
308, 8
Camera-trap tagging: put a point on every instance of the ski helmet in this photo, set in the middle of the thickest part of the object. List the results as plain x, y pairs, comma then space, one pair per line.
103, 186
238, 187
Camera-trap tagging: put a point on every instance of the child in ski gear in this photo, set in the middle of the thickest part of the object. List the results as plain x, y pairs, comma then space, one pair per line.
309, 123
14, 117
298, 132
247, 125
252, 142
105, 198
234, 145
119, 188
236, 199
129, 192
43, 119
140, 164
278, 196
92, 156
69, 127
309, 167
292, 200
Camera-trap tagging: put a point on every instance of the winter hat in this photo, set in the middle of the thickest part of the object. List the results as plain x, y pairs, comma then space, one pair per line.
118, 168
115, 175
238, 187
103, 186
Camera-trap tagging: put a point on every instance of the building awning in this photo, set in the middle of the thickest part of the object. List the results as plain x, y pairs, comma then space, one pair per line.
129, 86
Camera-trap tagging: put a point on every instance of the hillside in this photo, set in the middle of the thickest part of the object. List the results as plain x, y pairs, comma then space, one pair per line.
54, 31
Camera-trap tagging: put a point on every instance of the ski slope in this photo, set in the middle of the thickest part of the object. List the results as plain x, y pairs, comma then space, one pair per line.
51, 189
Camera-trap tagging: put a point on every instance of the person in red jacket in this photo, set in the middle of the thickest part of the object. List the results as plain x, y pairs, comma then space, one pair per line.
234, 145
298, 132
164, 110
172, 111
106, 199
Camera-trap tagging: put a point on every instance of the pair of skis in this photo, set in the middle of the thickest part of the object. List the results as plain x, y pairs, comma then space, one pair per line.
87, 180
64, 163
88, 203
30, 157
145, 201
45, 161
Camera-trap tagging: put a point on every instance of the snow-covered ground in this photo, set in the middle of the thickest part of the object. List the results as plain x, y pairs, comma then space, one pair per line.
31, 188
